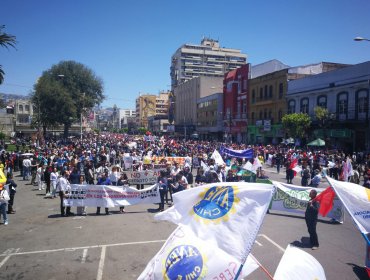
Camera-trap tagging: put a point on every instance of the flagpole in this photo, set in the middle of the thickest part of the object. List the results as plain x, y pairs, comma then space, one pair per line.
259, 264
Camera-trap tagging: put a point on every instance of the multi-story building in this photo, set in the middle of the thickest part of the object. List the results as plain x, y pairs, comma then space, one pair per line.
267, 92
127, 117
186, 95
345, 94
210, 124
151, 105
206, 59
235, 103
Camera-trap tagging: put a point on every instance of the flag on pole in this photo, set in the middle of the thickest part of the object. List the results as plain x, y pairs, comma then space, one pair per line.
356, 199
184, 256
293, 165
204, 166
297, 264
326, 200
226, 215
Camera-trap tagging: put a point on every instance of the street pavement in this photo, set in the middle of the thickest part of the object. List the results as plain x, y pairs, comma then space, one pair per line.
39, 244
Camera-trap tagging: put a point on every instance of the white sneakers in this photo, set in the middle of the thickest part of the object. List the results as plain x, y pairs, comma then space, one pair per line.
6, 223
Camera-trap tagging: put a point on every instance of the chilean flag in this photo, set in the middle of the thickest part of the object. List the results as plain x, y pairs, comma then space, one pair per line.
325, 198
294, 165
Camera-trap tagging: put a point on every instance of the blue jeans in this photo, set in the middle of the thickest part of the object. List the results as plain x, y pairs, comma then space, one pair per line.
3, 209
26, 172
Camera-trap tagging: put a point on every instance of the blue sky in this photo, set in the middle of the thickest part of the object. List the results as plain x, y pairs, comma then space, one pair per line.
129, 44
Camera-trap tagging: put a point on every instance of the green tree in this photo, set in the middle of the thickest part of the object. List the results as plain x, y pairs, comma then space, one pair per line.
6, 40
66, 92
321, 114
296, 124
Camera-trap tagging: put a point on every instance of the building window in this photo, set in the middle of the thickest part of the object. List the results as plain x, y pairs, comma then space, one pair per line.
244, 106
362, 104
281, 90
342, 105
270, 91
266, 93
304, 105
265, 114
291, 106
252, 117
322, 101
261, 115
261, 93
20, 108
270, 115
253, 96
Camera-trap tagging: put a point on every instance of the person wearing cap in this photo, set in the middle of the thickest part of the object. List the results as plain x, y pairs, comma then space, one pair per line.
4, 198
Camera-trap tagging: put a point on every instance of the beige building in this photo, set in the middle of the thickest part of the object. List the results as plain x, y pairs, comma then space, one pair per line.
206, 59
149, 105
186, 97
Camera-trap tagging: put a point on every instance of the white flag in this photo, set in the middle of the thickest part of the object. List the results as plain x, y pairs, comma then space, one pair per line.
227, 215
218, 158
184, 256
248, 166
297, 264
356, 199
256, 165
204, 166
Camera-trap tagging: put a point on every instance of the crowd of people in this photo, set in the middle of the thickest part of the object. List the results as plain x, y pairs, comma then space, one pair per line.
100, 160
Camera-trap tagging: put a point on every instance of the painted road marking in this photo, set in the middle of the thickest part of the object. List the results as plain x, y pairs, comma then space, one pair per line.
84, 255
259, 244
99, 276
272, 242
80, 248
9, 255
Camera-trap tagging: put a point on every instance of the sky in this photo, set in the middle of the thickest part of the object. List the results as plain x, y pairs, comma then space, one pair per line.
129, 43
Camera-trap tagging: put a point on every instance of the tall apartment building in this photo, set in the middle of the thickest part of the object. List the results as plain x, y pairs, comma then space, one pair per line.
206, 59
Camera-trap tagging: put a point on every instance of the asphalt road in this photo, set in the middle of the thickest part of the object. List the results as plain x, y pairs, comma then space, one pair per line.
39, 244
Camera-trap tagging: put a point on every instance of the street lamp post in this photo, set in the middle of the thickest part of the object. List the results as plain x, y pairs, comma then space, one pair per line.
83, 101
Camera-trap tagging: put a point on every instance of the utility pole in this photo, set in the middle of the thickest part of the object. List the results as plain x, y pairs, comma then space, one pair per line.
83, 105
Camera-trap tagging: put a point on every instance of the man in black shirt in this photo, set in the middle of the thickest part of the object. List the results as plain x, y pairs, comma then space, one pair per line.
311, 216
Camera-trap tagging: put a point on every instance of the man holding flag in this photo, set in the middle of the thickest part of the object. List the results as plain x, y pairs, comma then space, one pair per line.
311, 216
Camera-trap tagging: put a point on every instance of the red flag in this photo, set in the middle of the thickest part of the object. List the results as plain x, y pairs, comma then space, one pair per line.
325, 198
293, 164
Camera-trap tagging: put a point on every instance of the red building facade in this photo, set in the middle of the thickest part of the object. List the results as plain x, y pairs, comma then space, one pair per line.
235, 104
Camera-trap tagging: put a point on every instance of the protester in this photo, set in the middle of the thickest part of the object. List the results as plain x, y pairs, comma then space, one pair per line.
12, 190
103, 180
4, 198
64, 188
162, 185
311, 216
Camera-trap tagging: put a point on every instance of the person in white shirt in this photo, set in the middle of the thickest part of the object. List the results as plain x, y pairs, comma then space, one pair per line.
53, 179
39, 172
63, 187
26, 165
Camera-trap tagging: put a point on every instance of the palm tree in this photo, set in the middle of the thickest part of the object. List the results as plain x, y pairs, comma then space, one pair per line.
6, 40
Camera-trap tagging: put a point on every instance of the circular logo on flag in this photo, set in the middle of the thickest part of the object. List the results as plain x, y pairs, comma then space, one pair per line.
216, 203
184, 262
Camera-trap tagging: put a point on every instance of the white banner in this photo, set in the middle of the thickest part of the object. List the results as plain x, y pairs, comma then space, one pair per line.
184, 256
110, 196
226, 215
145, 177
297, 264
290, 198
356, 199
